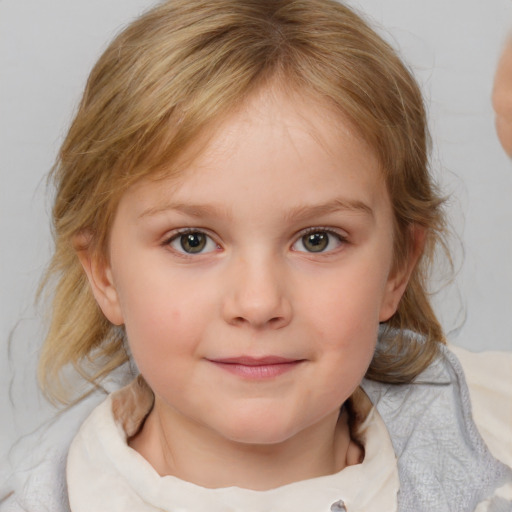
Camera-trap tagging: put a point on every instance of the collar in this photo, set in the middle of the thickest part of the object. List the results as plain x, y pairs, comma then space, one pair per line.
104, 473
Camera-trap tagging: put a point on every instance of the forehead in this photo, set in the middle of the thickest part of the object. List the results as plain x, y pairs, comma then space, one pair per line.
275, 144
282, 119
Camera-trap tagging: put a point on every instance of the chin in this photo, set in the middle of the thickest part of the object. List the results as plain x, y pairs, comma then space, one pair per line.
258, 431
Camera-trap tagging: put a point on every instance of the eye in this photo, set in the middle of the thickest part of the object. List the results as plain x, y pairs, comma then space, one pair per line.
318, 240
192, 242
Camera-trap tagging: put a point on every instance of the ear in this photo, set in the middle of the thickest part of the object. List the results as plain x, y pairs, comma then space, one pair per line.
398, 280
100, 278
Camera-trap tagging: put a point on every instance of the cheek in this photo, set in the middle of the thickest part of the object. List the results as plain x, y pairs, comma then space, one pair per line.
348, 300
344, 320
154, 299
166, 325
158, 328
162, 344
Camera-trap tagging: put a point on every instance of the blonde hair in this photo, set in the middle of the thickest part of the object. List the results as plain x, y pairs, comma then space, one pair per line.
168, 78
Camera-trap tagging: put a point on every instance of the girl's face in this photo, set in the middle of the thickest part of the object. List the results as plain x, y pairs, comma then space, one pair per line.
252, 286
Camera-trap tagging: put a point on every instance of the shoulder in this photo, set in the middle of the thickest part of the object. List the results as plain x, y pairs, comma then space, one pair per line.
440, 448
489, 379
34, 477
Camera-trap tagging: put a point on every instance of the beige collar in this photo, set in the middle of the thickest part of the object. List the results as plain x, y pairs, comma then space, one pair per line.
104, 473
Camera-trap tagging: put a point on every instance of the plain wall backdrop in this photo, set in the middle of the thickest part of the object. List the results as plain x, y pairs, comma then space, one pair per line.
46, 51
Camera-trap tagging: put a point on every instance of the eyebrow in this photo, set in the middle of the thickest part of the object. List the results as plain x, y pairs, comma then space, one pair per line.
192, 210
297, 213
336, 205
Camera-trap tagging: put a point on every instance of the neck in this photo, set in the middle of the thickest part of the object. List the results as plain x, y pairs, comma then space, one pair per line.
192, 453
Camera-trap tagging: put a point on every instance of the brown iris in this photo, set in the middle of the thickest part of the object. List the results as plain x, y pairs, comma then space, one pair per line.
193, 242
316, 242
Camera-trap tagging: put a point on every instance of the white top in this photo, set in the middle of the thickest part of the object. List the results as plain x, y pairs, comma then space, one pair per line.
128, 481
104, 473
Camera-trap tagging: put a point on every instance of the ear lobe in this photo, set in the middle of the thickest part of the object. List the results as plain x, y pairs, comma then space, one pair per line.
100, 279
398, 280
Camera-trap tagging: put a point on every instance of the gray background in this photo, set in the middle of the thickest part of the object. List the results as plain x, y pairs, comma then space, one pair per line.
46, 51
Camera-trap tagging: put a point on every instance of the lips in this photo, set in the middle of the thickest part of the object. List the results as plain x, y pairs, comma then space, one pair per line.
257, 368
254, 361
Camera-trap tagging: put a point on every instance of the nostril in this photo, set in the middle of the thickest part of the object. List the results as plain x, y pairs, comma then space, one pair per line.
273, 323
258, 306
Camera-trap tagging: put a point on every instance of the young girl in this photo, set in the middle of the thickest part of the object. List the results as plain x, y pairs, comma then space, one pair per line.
244, 211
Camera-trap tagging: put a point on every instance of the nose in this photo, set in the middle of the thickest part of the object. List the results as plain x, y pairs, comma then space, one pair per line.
256, 295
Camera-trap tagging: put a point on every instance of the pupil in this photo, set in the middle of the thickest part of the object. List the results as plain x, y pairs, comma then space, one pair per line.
316, 242
193, 242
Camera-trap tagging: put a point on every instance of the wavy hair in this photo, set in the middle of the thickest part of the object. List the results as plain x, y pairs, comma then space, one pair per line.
167, 79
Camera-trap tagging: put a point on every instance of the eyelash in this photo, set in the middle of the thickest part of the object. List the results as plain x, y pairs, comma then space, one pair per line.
342, 239
187, 231
299, 239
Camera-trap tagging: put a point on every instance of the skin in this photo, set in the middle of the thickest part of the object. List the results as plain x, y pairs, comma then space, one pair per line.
274, 169
502, 98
